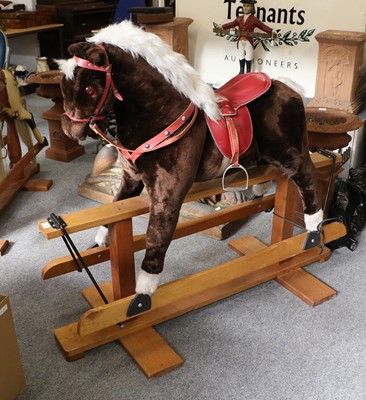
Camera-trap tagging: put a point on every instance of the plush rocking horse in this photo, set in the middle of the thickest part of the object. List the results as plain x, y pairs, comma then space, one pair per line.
173, 129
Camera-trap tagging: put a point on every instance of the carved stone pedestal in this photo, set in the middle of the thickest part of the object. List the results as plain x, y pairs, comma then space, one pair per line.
61, 147
339, 70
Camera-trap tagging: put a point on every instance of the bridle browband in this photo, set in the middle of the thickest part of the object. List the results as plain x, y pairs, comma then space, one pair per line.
162, 139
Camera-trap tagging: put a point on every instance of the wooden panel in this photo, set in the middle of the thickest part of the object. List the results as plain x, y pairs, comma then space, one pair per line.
73, 345
98, 255
101, 215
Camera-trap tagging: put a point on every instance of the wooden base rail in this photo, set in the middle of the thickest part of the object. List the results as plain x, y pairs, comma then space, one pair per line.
282, 260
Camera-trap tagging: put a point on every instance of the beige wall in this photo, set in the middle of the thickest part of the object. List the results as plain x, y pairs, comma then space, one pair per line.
216, 59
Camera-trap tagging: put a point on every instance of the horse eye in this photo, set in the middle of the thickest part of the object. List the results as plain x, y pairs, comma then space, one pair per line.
89, 90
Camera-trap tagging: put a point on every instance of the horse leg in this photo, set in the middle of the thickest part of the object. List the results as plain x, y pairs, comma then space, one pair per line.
303, 173
306, 180
167, 196
162, 223
167, 177
131, 186
280, 132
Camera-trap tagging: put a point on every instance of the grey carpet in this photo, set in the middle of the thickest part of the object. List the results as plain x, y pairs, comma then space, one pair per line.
261, 344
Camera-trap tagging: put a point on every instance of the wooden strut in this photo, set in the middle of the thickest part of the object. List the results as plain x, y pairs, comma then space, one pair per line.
282, 260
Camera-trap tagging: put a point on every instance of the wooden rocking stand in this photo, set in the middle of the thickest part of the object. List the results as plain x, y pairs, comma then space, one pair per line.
282, 260
22, 166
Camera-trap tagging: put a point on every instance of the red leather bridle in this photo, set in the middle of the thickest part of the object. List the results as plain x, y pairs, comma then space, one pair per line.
162, 139
107, 69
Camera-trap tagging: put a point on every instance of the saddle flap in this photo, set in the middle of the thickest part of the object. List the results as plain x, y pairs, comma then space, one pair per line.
233, 133
243, 88
243, 124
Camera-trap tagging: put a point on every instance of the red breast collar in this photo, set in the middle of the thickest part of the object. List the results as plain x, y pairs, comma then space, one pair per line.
162, 139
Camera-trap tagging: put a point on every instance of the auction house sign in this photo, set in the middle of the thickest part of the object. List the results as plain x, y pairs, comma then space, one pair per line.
293, 55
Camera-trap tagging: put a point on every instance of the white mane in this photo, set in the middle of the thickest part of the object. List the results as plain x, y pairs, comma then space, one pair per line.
173, 66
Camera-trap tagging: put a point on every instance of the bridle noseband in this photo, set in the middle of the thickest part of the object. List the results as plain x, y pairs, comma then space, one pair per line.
162, 139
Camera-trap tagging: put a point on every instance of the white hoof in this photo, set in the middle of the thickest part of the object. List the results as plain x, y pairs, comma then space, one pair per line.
101, 238
147, 283
312, 221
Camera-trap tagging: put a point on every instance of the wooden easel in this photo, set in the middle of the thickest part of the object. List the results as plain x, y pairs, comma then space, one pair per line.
282, 260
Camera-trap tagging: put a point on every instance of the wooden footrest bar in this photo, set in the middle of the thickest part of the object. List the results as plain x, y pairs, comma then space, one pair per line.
217, 282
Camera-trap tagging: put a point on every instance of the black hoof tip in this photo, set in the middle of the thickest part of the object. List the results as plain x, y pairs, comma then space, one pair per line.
312, 240
139, 304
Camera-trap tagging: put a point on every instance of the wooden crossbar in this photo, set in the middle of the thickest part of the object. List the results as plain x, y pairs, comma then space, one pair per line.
98, 255
125, 209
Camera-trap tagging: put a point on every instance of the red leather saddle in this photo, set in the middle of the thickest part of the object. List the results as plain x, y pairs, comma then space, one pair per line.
233, 133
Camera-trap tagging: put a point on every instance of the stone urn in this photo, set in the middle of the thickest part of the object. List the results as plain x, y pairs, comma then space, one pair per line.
328, 127
62, 148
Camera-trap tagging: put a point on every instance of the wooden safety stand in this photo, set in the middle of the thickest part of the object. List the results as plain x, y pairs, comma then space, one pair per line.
282, 260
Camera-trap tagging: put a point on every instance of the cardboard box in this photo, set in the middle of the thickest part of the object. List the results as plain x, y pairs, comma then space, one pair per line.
12, 380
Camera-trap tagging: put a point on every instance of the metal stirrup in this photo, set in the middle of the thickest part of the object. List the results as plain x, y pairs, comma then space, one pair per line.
234, 189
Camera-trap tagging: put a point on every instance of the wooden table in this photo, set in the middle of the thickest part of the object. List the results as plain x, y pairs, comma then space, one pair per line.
174, 33
12, 33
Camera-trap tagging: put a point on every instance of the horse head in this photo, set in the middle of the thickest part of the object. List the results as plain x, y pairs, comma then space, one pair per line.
85, 89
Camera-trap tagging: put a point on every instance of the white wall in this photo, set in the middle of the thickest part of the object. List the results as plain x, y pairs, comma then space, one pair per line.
216, 59
24, 50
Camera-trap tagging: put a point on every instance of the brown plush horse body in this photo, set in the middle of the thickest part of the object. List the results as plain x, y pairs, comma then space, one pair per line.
149, 87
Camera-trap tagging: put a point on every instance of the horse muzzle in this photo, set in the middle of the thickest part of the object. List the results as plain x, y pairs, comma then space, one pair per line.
77, 130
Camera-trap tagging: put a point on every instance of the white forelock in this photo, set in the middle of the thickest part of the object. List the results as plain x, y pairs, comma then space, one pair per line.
173, 66
67, 67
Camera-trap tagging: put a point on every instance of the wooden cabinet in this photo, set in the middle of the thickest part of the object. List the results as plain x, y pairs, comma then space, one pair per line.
80, 18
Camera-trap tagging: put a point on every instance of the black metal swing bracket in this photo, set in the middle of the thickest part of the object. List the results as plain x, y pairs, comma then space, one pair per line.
57, 222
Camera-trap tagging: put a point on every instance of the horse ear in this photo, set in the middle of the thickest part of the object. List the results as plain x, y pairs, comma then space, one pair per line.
77, 48
97, 56
89, 51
